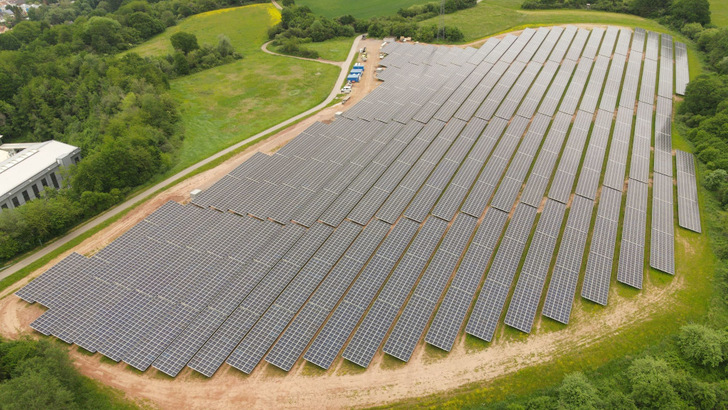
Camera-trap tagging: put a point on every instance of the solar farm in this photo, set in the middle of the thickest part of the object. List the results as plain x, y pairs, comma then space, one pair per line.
473, 187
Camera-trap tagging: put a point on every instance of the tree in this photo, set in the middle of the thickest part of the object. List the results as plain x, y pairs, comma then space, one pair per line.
184, 42
649, 8
690, 11
180, 64
576, 392
145, 24
103, 34
224, 46
453, 33
27, 31
319, 32
8, 41
692, 30
700, 344
703, 95
35, 388
651, 381
716, 179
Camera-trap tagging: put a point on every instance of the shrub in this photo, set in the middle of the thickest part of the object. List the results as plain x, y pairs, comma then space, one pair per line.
702, 345
690, 11
576, 392
692, 30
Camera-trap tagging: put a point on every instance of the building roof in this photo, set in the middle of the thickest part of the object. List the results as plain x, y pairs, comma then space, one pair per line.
32, 160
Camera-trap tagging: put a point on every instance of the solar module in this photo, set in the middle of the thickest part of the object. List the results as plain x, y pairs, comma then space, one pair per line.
489, 305
570, 158
408, 330
601, 254
548, 44
371, 332
662, 243
527, 294
682, 73
687, 192
565, 276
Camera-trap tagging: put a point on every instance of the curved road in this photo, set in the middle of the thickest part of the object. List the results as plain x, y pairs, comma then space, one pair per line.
149, 191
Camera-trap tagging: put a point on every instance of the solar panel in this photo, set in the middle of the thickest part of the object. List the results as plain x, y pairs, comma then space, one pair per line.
332, 337
682, 71
599, 264
527, 294
662, 244
271, 324
687, 192
543, 168
414, 318
622, 47
366, 340
562, 287
451, 313
576, 87
489, 305
570, 158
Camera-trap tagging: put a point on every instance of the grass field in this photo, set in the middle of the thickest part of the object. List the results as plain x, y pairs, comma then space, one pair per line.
230, 103
336, 49
496, 16
358, 8
245, 26
227, 104
719, 12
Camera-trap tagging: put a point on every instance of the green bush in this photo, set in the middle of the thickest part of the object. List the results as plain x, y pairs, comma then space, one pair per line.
690, 11
40, 375
692, 30
702, 345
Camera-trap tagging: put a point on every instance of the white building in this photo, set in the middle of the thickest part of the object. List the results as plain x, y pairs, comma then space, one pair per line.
25, 169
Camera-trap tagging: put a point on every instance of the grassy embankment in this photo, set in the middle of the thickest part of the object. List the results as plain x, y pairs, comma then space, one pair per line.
496, 16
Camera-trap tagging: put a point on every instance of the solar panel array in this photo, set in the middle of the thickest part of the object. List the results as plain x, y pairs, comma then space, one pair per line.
468, 179
687, 192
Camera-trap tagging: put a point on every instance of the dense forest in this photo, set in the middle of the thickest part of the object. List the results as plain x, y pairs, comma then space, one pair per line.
61, 78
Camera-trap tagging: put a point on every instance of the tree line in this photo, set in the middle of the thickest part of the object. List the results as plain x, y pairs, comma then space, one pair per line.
687, 371
299, 26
